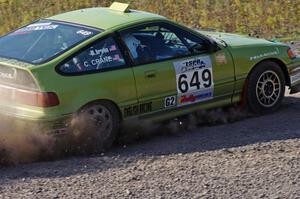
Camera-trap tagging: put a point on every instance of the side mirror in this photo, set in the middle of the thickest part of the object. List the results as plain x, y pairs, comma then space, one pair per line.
213, 46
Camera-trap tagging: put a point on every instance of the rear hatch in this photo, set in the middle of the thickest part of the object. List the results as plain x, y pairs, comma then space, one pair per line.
16, 78
20, 94
16, 85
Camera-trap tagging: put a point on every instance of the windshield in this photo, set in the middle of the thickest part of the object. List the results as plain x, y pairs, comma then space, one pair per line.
40, 41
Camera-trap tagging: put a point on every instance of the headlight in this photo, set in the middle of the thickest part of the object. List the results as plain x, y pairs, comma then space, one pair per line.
292, 54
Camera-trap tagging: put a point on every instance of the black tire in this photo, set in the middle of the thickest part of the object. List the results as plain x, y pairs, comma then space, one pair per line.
95, 127
265, 88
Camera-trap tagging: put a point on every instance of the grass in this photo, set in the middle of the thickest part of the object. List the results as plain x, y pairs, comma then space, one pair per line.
266, 18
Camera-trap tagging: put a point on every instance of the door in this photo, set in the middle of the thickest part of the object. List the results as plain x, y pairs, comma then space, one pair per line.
173, 67
99, 71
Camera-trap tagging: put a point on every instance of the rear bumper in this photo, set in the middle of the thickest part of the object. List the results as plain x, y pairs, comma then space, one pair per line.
52, 126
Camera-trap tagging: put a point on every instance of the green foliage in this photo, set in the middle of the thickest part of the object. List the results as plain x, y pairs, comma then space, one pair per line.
267, 18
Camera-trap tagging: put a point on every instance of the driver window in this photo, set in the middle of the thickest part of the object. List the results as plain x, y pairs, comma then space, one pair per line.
160, 42
154, 43
98, 57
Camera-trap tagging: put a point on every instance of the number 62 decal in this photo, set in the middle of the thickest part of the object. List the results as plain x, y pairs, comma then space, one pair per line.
170, 101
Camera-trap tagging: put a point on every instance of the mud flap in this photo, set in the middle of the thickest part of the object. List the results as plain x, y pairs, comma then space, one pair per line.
295, 89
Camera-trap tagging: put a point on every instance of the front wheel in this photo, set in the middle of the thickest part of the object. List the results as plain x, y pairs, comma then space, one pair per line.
265, 88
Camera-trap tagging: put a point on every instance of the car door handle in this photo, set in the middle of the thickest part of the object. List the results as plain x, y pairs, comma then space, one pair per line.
150, 74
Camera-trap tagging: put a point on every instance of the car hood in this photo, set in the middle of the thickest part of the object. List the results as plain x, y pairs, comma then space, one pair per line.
235, 40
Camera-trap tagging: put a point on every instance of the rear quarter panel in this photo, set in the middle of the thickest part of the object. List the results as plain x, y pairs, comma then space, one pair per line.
76, 91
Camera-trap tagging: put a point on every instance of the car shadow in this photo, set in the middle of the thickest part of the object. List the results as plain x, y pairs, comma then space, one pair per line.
282, 125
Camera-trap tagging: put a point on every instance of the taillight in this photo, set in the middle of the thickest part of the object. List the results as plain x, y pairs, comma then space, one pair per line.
291, 54
32, 98
47, 99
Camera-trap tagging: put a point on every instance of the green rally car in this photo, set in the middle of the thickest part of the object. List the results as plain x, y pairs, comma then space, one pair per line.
113, 64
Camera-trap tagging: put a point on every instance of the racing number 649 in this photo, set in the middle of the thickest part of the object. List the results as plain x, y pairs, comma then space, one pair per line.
199, 79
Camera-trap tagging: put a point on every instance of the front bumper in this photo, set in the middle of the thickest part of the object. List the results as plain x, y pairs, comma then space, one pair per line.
295, 80
294, 73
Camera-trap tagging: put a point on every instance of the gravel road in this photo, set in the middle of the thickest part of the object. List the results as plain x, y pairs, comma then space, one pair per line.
258, 157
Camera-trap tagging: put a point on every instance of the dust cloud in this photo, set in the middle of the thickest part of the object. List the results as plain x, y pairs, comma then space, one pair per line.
21, 144
135, 129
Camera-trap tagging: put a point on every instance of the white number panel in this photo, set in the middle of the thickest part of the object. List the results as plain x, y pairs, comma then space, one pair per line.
194, 78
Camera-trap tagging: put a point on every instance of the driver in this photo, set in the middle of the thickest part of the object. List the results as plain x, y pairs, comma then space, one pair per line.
132, 43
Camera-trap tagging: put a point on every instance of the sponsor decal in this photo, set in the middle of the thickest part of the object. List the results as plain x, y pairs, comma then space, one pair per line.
39, 24
100, 52
266, 54
221, 58
194, 79
98, 62
36, 27
84, 32
188, 99
192, 65
9, 75
138, 109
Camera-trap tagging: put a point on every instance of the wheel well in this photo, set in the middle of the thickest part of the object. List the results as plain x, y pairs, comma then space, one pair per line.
101, 101
281, 65
277, 61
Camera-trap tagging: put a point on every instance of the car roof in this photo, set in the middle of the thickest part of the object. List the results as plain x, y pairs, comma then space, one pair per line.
104, 18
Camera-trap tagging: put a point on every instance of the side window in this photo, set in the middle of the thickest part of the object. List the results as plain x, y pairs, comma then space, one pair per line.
153, 43
195, 44
100, 56
160, 42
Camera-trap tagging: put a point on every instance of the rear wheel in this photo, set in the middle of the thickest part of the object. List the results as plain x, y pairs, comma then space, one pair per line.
266, 87
96, 126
